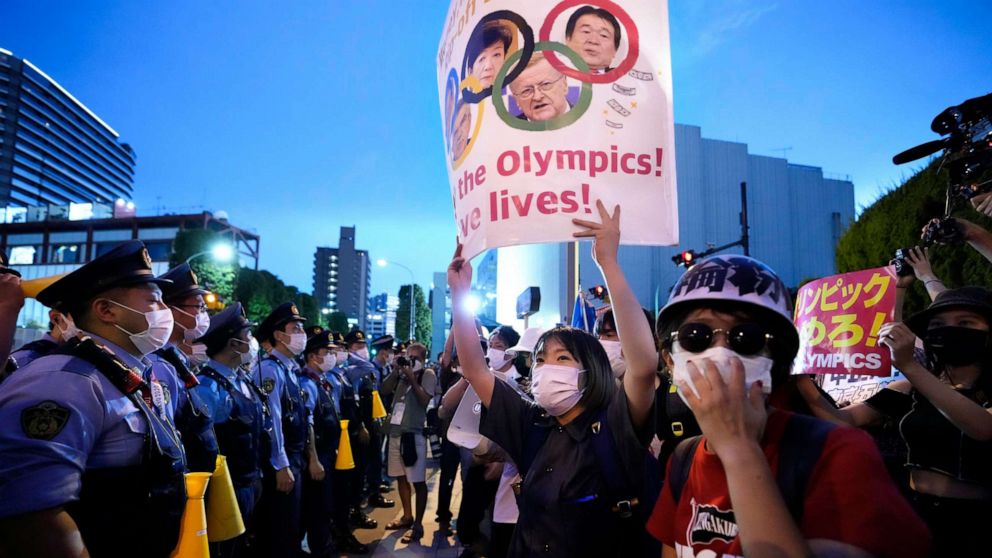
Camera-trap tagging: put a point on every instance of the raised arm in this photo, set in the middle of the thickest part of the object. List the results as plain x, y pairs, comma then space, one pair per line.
979, 238
470, 356
636, 340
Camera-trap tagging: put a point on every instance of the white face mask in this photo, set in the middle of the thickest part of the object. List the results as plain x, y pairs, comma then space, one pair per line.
341, 356
68, 327
157, 334
362, 353
297, 342
248, 356
197, 331
497, 358
556, 388
756, 367
198, 356
328, 362
613, 351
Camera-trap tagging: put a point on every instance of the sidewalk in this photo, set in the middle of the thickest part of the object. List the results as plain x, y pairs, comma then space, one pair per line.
386, 544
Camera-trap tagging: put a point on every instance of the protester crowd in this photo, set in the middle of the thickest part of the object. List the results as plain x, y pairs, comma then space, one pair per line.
681, 434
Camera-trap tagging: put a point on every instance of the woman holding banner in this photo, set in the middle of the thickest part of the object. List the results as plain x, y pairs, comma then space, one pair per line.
581, 448
762, 481
944, 415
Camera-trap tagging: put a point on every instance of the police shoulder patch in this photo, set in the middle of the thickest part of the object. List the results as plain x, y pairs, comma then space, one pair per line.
268, 384
45, 420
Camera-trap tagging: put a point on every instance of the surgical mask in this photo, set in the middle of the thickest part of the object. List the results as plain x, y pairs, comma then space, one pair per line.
497, 358
362, 353
341, 356
68, 328
556, 388
198, 356
756, 367
197, 331
248, 356
417, 366
297, 342
328, 362
617, 363
956, 346
157, 334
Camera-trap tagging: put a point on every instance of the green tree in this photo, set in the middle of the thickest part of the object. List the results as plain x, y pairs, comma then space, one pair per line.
895, 221
422, 324
218, 277
338, 321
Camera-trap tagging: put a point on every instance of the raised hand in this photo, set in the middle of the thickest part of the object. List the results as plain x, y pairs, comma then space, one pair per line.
605, 234
459, 272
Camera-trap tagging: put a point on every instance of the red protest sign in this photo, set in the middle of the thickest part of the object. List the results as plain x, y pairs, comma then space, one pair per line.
838, 318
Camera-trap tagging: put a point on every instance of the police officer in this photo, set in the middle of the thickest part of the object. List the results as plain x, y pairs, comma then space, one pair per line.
171, 363
89, 460
345, 400
363, 377
382, 360
240, 416
318, 496
279, 530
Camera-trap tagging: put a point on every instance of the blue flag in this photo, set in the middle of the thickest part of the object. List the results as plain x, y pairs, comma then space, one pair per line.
583, 314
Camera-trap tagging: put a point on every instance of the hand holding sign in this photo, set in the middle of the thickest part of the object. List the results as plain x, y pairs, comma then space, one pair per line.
459, 273
605, 234
900, 341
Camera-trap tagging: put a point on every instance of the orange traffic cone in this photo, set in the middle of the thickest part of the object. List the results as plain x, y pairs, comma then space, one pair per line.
193, 533
345, 460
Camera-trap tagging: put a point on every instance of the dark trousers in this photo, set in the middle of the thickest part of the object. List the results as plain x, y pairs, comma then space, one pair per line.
360, 453
502, 533
450, 458
247, 496
342, 482
478, 495
318, 506
373, 468
957, 525
278, 517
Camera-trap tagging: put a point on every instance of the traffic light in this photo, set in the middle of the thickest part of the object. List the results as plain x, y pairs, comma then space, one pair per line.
599, 292
685, 259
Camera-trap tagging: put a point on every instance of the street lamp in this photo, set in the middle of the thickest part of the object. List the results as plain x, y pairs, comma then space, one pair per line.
221, 252
413, 280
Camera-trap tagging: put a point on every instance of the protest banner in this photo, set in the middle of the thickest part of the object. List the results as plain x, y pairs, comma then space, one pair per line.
547, 107
839, 317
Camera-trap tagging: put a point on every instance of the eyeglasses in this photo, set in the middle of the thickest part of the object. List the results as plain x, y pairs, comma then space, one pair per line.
744, 339
544, 86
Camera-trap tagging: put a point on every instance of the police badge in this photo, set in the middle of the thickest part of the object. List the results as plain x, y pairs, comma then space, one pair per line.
44, 421
268, 385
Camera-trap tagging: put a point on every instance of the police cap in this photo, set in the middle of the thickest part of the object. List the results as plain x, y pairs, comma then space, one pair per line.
126, 265
282, 315
226, 324
313, 330
355, 336
322, 340
184, 283
383, 342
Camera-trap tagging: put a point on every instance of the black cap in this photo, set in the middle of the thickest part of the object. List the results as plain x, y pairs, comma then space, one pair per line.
322, 340
313, 330
338, 338
976, 299
355, 336
282, 315
226, 324
184, 283
383, 342
127, 265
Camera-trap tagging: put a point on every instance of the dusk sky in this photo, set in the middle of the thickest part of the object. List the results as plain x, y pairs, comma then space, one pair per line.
297, 118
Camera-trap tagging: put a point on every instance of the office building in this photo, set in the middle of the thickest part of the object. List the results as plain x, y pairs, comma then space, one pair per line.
342, 278
440, 304
53, 149
797, 215
381, 319
56, 245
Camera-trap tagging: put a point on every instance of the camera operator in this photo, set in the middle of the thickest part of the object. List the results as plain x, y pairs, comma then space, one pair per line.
413, 387
919, 259
977, 237
944, 413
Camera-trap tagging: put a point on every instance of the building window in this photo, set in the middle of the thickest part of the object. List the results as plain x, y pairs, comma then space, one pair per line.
25, 255
66, 254
159, 251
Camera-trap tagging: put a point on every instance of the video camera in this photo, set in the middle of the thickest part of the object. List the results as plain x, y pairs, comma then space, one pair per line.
968, 158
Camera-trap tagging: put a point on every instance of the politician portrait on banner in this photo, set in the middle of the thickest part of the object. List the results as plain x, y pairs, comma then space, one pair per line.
547, 107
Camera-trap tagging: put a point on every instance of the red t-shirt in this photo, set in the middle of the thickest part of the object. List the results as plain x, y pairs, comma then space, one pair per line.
850, 498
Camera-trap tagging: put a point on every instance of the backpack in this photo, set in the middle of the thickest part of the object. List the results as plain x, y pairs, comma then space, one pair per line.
799, 450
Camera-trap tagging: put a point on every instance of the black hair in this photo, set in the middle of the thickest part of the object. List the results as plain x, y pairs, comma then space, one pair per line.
598, 12
217, 343
782, 354
507, 334
607, 319
588, 351
482, 38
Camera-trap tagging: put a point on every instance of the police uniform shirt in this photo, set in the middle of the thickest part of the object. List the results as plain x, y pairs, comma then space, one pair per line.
28, 353
272, 379
175, 390
310, 395
217, 398
563, 507
336, 378
60, 416
361, 373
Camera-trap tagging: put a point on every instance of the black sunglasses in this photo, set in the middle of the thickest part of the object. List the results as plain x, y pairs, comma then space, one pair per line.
744, 339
